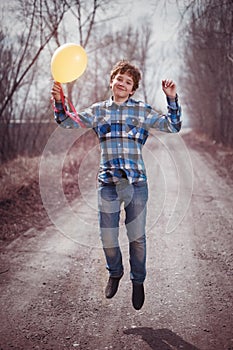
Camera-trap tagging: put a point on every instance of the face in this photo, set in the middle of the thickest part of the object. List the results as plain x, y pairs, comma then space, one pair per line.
122, 87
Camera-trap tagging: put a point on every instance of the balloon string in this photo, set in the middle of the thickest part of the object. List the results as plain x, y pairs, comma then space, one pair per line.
73, 116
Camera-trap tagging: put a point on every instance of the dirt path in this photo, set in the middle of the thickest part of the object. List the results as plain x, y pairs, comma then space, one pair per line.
52, 283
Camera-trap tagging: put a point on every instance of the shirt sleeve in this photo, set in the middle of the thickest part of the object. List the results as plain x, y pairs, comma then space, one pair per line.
60, 116
171, 122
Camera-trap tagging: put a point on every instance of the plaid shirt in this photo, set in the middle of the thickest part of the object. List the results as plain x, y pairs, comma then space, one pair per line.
122, 131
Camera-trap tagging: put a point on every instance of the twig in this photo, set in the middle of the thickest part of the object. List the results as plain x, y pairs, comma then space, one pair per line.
230, 58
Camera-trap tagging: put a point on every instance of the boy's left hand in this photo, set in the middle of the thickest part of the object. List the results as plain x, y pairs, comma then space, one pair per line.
169, 88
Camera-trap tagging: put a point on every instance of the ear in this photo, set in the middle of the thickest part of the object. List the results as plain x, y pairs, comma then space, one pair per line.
132, 93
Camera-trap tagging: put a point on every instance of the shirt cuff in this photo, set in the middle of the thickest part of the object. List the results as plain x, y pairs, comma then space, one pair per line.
172, 99
59, 106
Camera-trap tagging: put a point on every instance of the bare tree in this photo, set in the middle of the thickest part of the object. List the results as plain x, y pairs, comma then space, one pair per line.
41, 22
89, 17
26, 55
18, 70
208, 69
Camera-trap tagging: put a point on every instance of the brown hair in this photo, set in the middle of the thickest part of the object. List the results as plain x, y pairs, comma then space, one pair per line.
124, 66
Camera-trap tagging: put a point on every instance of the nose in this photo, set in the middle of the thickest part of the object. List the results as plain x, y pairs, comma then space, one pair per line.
122, 84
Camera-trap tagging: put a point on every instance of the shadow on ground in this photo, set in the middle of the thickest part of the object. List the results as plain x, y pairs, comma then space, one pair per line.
161, 339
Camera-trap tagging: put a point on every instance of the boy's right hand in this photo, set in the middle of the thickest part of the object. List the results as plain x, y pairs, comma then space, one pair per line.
56, 91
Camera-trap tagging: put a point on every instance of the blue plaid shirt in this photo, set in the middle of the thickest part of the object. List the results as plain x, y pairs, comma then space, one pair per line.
122, 131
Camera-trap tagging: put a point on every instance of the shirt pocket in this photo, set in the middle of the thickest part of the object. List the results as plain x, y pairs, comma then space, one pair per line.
131, 126
103, 127
135, 130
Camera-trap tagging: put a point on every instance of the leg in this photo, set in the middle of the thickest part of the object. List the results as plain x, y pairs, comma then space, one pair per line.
137, 253
135, 224
109, 215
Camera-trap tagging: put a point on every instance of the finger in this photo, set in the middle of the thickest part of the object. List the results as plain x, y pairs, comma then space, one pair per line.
57, 86
56, 89
166, 83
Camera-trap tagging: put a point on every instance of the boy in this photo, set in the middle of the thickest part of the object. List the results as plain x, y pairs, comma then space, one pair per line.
122, 124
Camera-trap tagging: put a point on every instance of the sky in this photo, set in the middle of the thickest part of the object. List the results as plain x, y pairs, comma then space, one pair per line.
164, 14
165, 17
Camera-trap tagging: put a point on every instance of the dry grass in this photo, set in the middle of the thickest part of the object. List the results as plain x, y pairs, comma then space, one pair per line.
20, 202
21, 206
16, 173
221, 156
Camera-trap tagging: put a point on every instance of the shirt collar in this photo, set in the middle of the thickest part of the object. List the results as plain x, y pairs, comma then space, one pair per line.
129, 102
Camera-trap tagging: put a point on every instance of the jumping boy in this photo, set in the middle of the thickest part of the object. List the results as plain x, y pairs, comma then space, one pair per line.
122, 125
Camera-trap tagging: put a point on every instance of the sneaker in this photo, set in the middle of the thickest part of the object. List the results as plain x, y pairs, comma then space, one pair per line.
138, 295
112, 286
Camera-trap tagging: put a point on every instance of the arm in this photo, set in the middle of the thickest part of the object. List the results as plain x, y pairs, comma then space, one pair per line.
171, 122
63, 118
169, 88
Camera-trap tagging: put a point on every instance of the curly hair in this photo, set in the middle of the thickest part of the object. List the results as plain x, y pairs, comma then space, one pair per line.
124, 66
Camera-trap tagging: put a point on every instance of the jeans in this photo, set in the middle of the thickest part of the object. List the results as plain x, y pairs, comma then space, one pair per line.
134, 197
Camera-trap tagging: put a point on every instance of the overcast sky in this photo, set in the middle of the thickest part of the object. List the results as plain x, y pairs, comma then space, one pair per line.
165, 17
164, 14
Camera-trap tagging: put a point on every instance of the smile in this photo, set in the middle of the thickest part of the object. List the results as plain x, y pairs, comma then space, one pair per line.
121, 88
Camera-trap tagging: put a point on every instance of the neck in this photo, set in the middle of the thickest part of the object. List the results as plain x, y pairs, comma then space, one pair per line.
120, 100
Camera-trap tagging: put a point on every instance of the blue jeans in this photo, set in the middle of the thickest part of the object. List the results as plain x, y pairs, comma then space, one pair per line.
134, 197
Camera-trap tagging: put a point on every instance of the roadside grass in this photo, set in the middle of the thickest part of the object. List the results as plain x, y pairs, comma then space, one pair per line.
220, 155
21, 206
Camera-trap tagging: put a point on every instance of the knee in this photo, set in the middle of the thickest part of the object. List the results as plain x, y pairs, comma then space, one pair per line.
109, 237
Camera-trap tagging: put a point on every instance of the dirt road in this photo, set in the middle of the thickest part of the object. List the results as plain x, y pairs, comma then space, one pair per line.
52, 282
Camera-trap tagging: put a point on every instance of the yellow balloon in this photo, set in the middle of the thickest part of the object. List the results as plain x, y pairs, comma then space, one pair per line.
68, 62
